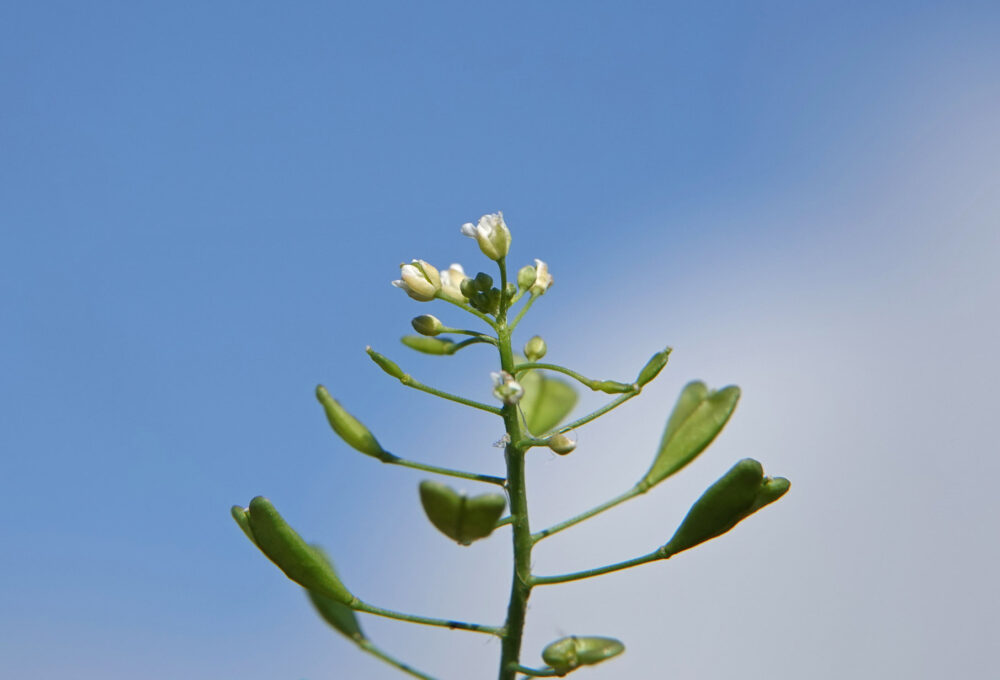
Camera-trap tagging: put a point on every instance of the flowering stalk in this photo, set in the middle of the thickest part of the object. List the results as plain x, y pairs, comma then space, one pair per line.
533, 407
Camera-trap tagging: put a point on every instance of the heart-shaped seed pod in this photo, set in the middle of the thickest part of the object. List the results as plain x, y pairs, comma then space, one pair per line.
569, 653
459, 517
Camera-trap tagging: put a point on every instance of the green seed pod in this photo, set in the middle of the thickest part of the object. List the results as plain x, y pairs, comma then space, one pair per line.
338, 615
569, 653
653, 367
292, 555
535, 348
526, 277
242, 517
426, 324
437, 346
546, 401
723, 505
385, 364
771, 490
458, 516
560, 444
347, 426
696, 420
612, 387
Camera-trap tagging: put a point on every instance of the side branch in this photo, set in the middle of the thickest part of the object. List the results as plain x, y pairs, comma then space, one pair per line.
618, 566
428, 621
607, 505
370, 647
474, 476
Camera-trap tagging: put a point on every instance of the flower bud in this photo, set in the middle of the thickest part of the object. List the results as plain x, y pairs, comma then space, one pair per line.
420, 280
572, 652
292, 555
426, 324
452, 279
347, 426
483, 282
560, 444
468, 287
543, 280
535, 348
505, 388
526, 276
422, 343
491, 234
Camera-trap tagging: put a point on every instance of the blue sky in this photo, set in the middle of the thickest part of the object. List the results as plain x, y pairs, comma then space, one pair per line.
201, 208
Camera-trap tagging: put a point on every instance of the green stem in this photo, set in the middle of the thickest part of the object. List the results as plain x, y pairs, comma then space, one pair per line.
427, 621
520, 588
598, 413
489, 479
576, 576
472, 341
503, 521
410, 381
588, 382
475, 312
556, 528
483, 337
369, 647
504, 302
523, 311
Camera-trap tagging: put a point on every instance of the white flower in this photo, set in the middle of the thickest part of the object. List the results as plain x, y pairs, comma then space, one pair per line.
451, 282
542, 278
505, 388
491, 233
419, 279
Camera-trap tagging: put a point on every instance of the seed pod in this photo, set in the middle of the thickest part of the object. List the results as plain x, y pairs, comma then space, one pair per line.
385, 364
569, 653
546, 401
560, 444
347, 426
535, 348
438, 346
653, 367
427, 324
292, 555
242, 517
735, 496
338, 615
696, 420
458, 516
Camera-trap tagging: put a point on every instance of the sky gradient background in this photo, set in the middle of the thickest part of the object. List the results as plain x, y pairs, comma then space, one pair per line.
201, 208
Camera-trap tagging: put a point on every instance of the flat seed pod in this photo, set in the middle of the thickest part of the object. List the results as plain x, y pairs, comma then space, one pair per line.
291, 554
338, 615
546, 401
242, 517
347, 426
385, 364
720, 508
569, 653
696, 420
459, 517
429, 345
653, 367
771, 490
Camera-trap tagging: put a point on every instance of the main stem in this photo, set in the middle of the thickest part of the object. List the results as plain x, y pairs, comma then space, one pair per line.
520, 587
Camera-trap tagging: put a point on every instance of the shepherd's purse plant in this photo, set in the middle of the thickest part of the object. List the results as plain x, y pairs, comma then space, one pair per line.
532, 404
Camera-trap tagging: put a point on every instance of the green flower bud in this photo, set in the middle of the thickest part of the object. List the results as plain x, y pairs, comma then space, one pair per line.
468, 287
653, 367
458, 516
734, 497
696, 420
426, 324
560, 444
483, 282
292, 555
421, 343
526, 277
347, 426
535, 348
511, 289
385, 364
569, 653
612, 387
